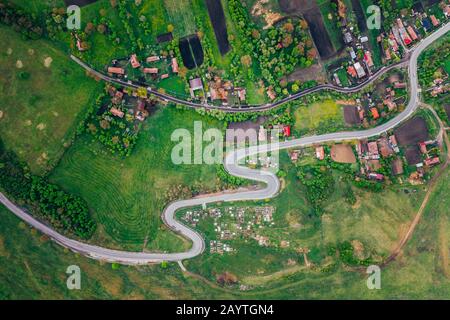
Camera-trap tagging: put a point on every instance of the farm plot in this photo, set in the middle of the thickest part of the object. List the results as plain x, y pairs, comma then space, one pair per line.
412, 132
342, 153
351, 115
447, 110
217, 17
79, 3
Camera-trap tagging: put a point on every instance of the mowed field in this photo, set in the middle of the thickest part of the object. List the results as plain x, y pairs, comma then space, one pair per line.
127, 196
43, 96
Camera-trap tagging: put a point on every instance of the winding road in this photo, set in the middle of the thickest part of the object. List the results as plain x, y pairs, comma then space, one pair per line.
231, 164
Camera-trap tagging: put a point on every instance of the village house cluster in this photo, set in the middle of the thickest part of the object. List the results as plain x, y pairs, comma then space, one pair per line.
234, 223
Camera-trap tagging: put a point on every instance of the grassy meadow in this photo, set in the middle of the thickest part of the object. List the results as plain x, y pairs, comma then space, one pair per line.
43, 95
317, 116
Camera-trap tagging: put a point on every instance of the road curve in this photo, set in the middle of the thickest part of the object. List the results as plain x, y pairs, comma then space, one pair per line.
230, 162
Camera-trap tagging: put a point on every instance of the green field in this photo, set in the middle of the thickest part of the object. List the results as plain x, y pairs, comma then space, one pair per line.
127, 196
41, 105
316, 115
331, 24
34, 267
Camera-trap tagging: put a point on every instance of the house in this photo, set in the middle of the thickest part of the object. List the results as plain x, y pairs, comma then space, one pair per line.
364, 39
368, 59
287, 131
397, 167
375, 113
134, 61
348, 37
434, 21
271, 94
400, 85
351, 71
164, 76
294, 156
118, 96
412, 33
241, 94
116, 70
385, 148
116, 112
359, 70
352, 54
151, 70
174, 65
390, 104
446, 10
373, 149
194, 85
387, 53
376, 176
426, 23
432, 161
423, 147
152, 59
393, 143
320, 153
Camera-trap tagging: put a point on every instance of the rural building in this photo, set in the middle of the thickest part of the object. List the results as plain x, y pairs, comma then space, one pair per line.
351, 71
287, 131
262, 134
320, 153
412, 33
376, 176
400, 85
134, 61
393, 143
368, 59
165, 76
373, 149
426, 23
432, 161
116, 112
194, 85
359, 70
375, 113
174, 65
151, 70
434, 21
447, 11
242, 94
390, 104
271, 94
152, 59
385, 148
115, 70
397, 167
364, 39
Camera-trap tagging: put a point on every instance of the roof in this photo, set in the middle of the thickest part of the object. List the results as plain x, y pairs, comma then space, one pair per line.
397, 167
368, 58
320, 153
152, 59
151, 70
116, 70
434, 21
134, 61
174, 65
373, 147
411, 32
287, 131
351, 71
116, 112
359, 70
196, 84
375, 113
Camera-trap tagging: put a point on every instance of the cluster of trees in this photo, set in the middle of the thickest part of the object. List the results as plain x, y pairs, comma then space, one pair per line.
319, 184
278, 50
125, 16
347, 255
227, 178
63, 210
118, 134
20, 21
432, 63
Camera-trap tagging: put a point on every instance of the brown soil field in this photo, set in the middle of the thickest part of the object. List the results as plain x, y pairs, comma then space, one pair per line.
412, 132
342, 153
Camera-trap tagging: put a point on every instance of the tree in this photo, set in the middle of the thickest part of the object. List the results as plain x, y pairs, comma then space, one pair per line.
246, 60
170, 28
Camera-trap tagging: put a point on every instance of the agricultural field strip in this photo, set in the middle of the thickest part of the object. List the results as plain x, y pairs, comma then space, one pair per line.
231, 160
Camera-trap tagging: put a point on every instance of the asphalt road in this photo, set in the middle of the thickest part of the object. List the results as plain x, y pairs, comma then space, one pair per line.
231, 160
